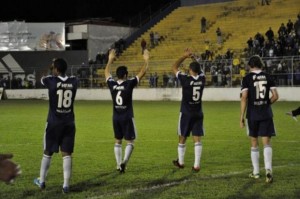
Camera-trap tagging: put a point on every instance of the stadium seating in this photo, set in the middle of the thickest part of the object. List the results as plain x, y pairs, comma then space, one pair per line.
238, 20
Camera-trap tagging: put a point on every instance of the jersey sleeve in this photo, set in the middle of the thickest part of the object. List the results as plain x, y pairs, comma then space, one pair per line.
110, 82
244, 86
45, 80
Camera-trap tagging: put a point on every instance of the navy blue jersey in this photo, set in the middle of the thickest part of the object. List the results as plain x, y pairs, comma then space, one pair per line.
121, 92
62, 92
258, 84
192, 90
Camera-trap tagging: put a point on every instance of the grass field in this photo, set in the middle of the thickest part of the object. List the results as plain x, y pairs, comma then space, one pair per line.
225, 162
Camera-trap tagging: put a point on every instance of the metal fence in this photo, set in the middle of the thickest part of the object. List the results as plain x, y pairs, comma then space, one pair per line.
219, 73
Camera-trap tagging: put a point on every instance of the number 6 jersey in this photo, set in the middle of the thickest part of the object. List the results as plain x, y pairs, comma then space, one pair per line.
121, 92
258, 84
62, 92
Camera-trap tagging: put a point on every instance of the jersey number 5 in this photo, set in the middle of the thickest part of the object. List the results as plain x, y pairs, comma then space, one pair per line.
196, 93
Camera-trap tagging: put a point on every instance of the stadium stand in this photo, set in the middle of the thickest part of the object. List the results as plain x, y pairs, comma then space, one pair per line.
238, 21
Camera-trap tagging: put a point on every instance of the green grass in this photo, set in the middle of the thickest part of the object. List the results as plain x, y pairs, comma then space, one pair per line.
225, 162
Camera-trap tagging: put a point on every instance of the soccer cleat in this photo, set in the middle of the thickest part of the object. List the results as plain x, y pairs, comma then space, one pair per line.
269, 176
176, 163
254, 176
196, 169
122, 167
65, 190
41, 185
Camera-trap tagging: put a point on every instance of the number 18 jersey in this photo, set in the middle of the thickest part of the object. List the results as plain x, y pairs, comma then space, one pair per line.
62, 92
258, 84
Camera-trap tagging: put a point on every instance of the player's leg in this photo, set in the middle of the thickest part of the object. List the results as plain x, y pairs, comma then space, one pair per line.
45, 164
118, 152
67, 170
50, 146
129, 135
267, 130
268, 153
197, 132
255, 157
118, 143
67, 148
252, 131
183, 131
198, 153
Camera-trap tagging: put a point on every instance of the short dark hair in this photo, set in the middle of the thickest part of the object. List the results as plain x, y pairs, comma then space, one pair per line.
121, 72
195, 67
255, 61
60, 64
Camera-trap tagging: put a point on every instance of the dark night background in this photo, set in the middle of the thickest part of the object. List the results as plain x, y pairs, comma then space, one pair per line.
70, 10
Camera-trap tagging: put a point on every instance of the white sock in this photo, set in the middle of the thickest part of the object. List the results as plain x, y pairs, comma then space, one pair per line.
198, 153
67, 166
118, 154
255, 159
128, 151
181, 153
268, 157
45, 164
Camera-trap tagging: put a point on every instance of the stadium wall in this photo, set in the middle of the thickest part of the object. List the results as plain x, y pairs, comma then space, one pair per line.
159, 94
198, 2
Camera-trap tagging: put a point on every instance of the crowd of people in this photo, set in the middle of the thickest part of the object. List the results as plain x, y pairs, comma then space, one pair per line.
285, 44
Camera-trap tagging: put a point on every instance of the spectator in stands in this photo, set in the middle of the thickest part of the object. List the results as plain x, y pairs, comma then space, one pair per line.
250, 46
270, 35
282, 30
263, 2
151, 81
260, 38
203, 25
297, 76
165, 80
171, 80
289, 26
151, 39
155, 80
219, 36
297, 28
143, 45
156, 38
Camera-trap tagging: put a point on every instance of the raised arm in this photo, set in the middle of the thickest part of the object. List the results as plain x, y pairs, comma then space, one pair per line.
143, 70
187, 53
111, 57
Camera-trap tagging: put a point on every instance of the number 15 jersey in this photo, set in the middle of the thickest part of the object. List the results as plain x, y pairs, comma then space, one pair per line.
62, 92
258, 84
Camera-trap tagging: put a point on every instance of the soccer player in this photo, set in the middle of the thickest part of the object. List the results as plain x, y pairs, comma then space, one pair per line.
123, 118
8, 169
60, 126
255, 97
191, 114
294, 113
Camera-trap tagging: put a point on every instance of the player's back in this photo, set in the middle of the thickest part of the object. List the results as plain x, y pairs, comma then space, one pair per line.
258, 84
62, 92
192, 90
121, 92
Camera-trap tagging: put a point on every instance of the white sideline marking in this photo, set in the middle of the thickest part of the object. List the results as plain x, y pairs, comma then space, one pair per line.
212, 176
